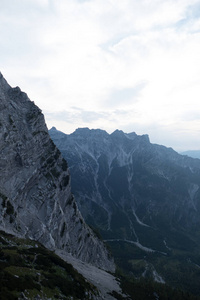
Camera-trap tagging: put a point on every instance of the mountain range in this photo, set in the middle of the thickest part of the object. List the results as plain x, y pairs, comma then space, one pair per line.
120, 197
143, 198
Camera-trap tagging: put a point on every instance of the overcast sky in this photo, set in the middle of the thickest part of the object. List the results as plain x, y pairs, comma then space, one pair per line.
132, 65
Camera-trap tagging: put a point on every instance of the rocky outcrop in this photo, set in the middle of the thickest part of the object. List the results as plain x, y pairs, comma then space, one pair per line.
35, 189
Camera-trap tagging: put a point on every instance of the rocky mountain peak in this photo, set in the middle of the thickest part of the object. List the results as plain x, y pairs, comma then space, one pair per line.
118, 133
131, 135
3, 83
127, 171
35, 184
89, 133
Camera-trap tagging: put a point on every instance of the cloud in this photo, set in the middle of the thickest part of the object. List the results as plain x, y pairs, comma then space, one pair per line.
174, 135
83, 1
84, 117
76, 115
116, 61
193, 10
190, 22
125, 96
192, 115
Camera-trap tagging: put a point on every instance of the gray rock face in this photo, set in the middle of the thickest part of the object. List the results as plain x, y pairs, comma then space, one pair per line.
35, 188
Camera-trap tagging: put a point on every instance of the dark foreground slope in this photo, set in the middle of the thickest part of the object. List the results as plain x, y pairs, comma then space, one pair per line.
143, 198
29, 271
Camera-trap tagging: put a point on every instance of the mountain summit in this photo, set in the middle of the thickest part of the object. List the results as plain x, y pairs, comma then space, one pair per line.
127, 171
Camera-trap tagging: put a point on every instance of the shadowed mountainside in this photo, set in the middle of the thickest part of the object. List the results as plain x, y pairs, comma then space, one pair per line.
143, 198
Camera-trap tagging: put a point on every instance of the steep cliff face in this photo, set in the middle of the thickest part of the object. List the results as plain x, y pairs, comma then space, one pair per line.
35, 189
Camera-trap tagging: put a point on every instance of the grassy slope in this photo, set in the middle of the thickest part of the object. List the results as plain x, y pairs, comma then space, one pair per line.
29, 268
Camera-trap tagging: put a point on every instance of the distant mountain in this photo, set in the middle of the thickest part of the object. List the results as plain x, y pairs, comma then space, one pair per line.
192, 153
143, 198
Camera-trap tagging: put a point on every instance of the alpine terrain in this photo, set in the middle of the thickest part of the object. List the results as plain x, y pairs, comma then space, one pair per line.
35, 190
143, 198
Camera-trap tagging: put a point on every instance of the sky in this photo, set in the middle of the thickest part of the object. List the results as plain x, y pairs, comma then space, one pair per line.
132, 65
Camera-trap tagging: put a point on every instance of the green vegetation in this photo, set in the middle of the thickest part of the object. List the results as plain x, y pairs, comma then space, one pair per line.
148, 289
180, 271
29, 268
